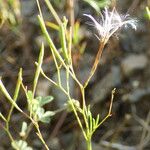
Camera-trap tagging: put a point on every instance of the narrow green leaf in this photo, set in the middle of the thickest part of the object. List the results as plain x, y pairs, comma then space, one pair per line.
37, 73
48, 38
91, 123
54, 13
93, 4
52, 25
29, 95
76, 33
4, 91
97, 120
97, 4
1, 116
82, 47
63, 40
94, 124
19, 81
16, 93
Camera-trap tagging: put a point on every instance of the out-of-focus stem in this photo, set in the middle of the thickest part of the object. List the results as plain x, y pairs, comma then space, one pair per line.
89, 144
54, 13
71, 13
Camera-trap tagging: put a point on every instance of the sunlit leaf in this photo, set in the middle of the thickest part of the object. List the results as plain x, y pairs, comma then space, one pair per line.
47, 116
20, 145
44, 100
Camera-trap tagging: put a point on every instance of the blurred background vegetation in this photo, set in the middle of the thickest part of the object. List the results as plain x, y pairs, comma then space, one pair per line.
125, 65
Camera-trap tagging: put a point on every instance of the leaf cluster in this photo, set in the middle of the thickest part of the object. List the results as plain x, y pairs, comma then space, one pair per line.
35, 107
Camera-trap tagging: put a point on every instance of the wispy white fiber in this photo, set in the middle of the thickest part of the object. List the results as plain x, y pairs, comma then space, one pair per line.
110, 22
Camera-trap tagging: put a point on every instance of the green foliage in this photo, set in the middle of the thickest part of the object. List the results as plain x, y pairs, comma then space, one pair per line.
20, 145
63, 60
58, 3
75, 103
76, 38
44, 100
9, 11
63, 29
93, 123
37, 73
44, 116
148, 12
35, 107
80, 112
7, 95
98, 4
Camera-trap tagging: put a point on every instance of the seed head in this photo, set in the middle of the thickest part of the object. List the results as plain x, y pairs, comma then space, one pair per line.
110, 22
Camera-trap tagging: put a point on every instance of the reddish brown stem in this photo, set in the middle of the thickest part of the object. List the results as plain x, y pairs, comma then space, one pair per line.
94, 67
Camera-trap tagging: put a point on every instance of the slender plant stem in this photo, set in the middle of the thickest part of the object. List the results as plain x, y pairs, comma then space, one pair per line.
53, 48
57, 67
9, 134
78, 119
28, 130
110, 108
97, 59
90, 123
40, 136
52, 10
85, 110
83, 96
71, 13
72, 105
89, 144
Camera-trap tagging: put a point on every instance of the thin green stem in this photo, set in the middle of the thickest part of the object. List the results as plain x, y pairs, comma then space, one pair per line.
72, 105
67, 80
57, 85
37, 73
71, 13
83, 97
54, 13
9, 134
110, 108
78, 119
89, 144
40, 136
35, 123
70, 45
53, 48
12, 106
90, 123
7, 95
57, 67
75, 112
84, 111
